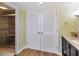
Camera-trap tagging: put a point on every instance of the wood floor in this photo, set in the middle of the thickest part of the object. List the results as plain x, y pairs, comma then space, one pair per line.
6, 51
32, 52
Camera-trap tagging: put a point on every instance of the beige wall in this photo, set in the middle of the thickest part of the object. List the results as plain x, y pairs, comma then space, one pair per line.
67, 21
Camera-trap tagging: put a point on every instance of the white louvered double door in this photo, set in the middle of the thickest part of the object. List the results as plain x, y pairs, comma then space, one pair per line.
41, 31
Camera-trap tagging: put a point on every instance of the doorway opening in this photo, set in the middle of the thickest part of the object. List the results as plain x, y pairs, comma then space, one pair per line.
7, 30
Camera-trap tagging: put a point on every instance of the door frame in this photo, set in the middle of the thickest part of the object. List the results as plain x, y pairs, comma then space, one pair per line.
57, 17
16, 25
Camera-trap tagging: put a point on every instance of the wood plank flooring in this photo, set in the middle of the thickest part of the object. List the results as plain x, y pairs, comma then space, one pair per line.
5, 51
32, 52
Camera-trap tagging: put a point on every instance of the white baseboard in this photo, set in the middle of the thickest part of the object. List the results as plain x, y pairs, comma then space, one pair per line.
21, 50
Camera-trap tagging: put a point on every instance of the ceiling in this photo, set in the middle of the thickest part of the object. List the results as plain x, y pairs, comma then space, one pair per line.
9, 10
3, 5
46, 6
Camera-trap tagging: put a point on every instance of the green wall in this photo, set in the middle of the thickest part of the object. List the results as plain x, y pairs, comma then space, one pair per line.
67, 21
22, 28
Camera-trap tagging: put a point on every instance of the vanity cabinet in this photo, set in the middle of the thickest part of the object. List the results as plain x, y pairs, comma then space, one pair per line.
73, 51
68, 49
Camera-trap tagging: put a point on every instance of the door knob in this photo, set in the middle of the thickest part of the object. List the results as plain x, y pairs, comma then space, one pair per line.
41, 32
38, 32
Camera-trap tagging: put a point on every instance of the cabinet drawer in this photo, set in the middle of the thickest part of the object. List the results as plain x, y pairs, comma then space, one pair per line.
67, 48
73, 51
78, 53
63, 46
